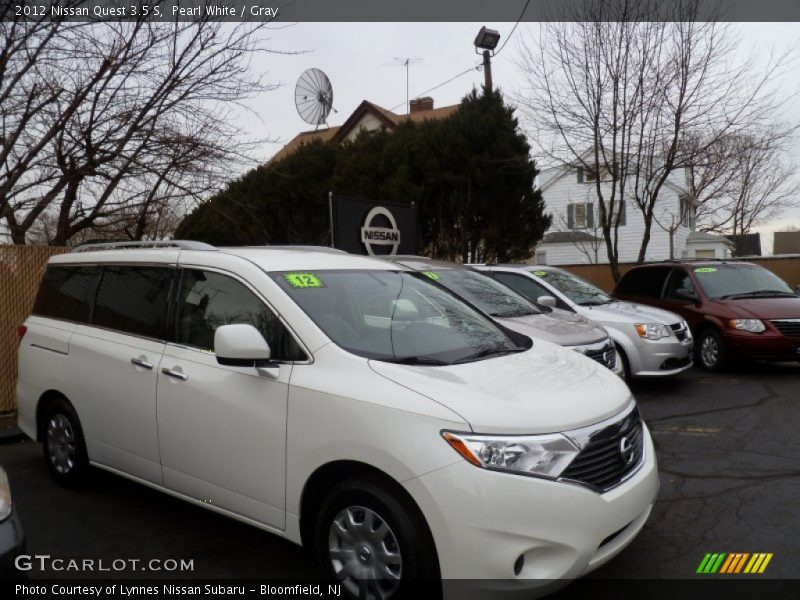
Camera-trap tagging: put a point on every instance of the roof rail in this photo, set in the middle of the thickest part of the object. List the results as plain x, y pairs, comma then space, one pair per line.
181, 244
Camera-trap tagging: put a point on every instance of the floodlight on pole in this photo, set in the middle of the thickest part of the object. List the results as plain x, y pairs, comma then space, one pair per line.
485, 43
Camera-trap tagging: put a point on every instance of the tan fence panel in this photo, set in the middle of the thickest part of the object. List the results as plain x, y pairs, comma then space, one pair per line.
785, 267
21, 269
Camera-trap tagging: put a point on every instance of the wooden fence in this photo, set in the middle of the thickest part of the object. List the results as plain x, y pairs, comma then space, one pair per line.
785, 267
21, 270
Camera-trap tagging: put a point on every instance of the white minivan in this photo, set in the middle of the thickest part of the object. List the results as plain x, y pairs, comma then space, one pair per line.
342, 402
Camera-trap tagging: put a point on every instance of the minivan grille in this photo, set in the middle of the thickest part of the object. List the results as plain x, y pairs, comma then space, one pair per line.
680, 331
605, 356
611, 454
789, 327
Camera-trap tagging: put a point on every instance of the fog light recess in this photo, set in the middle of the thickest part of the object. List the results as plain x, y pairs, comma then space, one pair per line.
518, 564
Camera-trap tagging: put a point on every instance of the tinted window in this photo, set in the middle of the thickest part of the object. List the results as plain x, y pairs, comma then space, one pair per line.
133, 300
524, 285
64, 293
647, 282
679, 280
209, 300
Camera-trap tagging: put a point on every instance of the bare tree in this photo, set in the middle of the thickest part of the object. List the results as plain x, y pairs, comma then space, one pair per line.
745, 180
107, 125
616, 87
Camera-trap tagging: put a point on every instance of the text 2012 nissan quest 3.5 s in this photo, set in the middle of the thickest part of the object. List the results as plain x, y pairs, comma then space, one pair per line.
341, 402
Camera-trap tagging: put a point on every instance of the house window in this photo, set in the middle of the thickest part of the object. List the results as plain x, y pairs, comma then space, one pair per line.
580, 215
540, 258
687, 212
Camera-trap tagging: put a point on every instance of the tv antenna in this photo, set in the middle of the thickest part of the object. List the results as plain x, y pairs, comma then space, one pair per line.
406, 61
313, 97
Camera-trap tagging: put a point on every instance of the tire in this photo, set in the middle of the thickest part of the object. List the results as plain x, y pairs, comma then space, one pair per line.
711, 354
63, 445
350, 551
626, 366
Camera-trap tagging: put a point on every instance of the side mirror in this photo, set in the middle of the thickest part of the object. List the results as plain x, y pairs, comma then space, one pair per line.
797, 289
242, 345
685, 294
547, 301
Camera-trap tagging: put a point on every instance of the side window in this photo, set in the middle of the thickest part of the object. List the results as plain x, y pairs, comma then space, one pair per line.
647, 282
678, 280
524, 285
133, 300
208, 300
64, 293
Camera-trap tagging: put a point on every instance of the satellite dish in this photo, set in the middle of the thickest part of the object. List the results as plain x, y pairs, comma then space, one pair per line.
313, 96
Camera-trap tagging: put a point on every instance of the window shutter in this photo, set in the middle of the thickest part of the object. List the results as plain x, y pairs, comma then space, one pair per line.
622, 215
571, 216
590, 215
580, 174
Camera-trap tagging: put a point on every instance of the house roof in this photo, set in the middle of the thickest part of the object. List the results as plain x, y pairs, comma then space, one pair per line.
564, 237
698, 237
339, 133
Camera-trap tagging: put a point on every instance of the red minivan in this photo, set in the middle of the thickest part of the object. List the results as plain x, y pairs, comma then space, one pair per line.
736, 310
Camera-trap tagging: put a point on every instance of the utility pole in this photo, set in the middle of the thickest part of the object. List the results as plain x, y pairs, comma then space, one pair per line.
487, 70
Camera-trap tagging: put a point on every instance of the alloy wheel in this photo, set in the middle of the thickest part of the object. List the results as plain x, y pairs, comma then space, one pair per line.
709, 351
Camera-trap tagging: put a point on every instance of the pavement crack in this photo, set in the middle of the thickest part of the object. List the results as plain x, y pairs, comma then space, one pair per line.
770, 395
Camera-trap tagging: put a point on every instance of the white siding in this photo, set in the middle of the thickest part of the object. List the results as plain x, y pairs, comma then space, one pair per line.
567, 190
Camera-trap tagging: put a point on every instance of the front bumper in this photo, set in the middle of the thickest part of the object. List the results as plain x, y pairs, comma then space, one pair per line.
483, 521
769, 345
662, 358
12, 544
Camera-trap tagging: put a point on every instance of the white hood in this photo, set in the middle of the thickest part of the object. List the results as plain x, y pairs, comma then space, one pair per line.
543, 390
618, 311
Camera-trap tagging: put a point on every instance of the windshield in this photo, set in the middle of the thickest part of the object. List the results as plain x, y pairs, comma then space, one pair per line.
724, 281
578, 290
490, 296
397, 317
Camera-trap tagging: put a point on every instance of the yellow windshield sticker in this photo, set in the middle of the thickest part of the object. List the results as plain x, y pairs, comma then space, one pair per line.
432, 274
303, 280
540, 273
705, 270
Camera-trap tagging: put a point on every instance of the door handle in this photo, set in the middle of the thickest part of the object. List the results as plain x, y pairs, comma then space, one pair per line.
176, 374
142, 362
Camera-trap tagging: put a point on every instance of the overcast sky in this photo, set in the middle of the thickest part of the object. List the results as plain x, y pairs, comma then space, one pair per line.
360, 60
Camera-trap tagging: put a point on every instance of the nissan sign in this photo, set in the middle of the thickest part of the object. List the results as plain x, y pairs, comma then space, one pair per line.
374, 228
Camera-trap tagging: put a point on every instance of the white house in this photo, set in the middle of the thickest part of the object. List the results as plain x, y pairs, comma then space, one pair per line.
575, 236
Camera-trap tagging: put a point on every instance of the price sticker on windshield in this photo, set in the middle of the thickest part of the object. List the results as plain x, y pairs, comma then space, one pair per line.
431, 274
540, 273
705, 270
303, 280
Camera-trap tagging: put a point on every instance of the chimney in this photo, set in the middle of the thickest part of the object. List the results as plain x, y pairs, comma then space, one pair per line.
421, 104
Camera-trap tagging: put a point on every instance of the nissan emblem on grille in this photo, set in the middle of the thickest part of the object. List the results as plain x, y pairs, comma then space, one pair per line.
627, 450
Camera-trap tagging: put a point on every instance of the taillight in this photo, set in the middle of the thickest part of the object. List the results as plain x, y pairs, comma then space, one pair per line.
21, 331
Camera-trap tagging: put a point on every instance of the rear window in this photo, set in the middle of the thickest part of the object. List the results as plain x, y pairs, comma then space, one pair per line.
64, 293
646, 283
133, 300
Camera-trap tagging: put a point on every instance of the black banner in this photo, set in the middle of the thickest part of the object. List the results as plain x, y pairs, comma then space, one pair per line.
373, 228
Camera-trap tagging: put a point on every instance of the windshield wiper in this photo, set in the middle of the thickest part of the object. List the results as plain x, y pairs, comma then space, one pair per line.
490, 352
416, 360
756, 293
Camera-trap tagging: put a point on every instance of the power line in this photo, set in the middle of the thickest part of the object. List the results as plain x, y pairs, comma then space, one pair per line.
436, 87
513, 29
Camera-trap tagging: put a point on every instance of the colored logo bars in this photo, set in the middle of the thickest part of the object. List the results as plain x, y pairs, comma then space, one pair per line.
735, 562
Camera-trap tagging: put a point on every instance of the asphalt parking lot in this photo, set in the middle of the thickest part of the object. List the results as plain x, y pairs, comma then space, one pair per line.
729, 458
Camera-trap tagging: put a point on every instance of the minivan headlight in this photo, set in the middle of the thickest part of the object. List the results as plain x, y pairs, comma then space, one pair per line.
535, 455
5, 496
751, 325
652, 331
